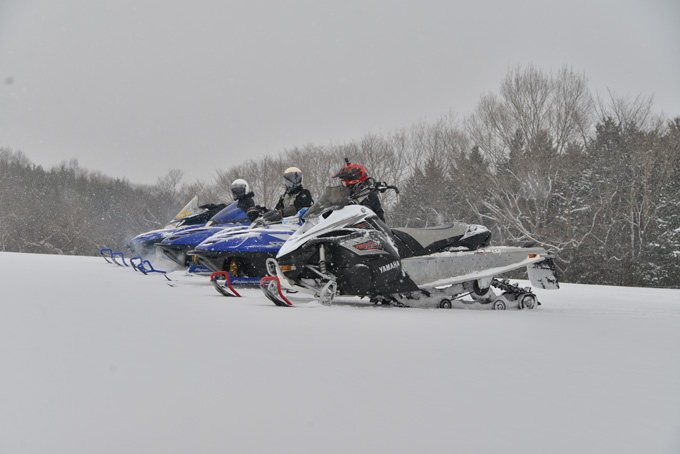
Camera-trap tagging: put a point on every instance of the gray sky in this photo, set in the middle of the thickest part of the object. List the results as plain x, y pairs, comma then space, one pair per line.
135, 88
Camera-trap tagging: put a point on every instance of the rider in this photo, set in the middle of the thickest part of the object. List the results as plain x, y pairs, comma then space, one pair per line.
361, 187
296, 197
240, 190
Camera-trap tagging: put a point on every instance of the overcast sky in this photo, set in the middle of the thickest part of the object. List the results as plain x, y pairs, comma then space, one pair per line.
135, 88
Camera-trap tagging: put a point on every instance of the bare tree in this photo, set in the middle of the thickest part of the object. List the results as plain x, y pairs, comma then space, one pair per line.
533, 102
525, 134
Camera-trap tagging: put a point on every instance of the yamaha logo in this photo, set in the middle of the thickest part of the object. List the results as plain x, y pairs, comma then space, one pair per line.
389, 267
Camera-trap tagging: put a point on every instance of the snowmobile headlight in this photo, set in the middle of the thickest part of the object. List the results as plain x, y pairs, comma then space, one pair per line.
532, 256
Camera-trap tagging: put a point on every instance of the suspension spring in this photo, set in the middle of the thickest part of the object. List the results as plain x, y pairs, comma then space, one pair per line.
322, 259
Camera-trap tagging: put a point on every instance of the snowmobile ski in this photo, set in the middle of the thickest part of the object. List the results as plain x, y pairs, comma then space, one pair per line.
146, 267
135, 266
222, 289
110, 251
271, 287
122, 256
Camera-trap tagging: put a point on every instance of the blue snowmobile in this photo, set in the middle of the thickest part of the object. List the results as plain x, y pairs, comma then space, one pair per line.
192, 215
243, 253
176, 245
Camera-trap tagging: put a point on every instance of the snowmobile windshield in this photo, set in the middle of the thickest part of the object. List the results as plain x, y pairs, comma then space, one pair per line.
190, 209
229, 215
332, 198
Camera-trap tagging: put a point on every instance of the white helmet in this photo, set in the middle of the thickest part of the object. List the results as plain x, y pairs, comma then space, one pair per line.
292, 177
239, 188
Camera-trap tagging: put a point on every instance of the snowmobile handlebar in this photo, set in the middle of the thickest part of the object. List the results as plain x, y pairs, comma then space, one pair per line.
383, 187
267, 217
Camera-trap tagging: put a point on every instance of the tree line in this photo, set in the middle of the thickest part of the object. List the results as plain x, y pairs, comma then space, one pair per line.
596, 180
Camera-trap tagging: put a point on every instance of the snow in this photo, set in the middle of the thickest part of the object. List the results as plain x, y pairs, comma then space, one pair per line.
99, 359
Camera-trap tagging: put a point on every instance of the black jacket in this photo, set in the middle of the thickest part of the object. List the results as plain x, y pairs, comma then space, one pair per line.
373, 202
245, 203
294, 200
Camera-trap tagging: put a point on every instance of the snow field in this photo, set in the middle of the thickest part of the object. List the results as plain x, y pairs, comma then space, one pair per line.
98, 358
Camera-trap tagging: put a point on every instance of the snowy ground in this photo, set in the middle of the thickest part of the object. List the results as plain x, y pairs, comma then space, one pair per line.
99, 359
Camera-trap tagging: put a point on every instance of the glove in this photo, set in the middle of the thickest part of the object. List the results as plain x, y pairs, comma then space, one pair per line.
271, 217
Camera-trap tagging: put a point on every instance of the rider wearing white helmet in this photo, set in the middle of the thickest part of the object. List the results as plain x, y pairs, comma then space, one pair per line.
240, 190
296, 197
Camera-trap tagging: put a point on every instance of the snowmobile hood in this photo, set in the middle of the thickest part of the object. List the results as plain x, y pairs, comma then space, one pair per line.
149, 236
236, 239
197, 235
263, 239
157, 235
318, 225
334, 209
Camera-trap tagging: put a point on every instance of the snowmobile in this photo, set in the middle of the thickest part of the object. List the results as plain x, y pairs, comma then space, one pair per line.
343, 248
191, 215
176, 245
243, 253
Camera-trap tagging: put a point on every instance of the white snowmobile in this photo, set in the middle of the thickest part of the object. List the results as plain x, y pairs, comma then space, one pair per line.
344, 249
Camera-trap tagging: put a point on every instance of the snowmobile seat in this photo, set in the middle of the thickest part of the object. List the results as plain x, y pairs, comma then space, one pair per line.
414, 242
